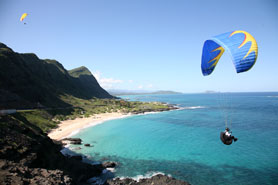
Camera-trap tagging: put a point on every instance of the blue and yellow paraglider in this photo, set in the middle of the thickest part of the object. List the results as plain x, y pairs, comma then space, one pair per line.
243, 49
241, 45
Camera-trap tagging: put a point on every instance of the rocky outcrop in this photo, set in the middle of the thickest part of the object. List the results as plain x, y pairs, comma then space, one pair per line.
28, 156
74, 141
15, 173
109, 164
155, 180
76, 157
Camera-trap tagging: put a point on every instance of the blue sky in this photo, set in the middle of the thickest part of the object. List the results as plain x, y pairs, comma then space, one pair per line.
146, 44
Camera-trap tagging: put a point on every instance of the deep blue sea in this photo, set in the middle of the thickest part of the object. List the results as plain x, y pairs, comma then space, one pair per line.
185, 143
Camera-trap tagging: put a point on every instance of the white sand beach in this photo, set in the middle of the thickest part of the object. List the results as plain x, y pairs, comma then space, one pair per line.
70, 127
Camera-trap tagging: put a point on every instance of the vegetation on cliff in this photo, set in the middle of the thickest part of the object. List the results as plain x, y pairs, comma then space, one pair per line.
47, 119
27, 82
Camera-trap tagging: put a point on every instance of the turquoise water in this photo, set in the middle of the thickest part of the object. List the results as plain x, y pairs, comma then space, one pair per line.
185, 143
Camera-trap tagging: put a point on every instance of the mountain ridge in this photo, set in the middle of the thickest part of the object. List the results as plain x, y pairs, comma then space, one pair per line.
28, 81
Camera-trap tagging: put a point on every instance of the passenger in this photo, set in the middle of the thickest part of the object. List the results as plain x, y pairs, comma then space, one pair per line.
226, 137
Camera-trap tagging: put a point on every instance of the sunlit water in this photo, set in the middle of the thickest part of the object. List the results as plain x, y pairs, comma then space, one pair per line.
185, 143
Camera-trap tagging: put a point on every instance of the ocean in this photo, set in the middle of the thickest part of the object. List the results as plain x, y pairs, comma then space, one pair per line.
185, 143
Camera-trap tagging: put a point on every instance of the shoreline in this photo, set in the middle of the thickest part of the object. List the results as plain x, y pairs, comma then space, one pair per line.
68, 128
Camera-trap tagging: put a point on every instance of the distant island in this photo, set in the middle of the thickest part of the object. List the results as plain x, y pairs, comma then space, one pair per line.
117, 92
210, 92
35, 97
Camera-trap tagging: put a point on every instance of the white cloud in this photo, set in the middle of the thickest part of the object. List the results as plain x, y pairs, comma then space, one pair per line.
111, 83
106, 82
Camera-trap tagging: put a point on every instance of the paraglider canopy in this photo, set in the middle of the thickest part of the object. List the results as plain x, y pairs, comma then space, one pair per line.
240, 44
23, 17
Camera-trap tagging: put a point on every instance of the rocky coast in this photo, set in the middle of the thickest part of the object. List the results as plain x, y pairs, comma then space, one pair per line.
29, 156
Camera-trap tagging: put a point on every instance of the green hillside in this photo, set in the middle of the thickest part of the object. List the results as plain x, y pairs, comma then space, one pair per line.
29, 82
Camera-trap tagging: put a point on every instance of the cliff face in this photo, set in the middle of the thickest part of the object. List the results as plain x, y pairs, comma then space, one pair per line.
28, 156
27, 81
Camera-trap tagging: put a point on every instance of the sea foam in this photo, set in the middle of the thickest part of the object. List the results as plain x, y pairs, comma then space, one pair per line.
146, 176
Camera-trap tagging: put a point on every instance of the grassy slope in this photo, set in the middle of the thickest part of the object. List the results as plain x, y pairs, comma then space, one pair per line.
47, 119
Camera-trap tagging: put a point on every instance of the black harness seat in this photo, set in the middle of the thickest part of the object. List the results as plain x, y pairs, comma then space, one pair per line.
225, 139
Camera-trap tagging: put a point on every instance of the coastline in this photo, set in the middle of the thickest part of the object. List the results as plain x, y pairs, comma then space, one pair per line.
68, 128
51, 165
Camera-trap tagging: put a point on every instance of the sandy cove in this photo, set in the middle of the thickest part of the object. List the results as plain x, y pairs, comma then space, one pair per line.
68, 127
